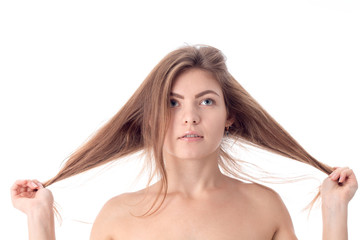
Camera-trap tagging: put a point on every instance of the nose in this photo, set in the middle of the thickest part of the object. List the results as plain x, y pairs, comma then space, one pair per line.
191, 116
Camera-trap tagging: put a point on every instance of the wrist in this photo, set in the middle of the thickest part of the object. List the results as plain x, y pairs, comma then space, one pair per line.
334, 214
40, 213
334, 203
41, 224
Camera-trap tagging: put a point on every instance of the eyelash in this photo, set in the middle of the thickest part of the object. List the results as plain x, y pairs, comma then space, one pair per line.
208, 99
173, 101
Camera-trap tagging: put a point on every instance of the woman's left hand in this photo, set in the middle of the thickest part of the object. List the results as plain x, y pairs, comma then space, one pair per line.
339, 187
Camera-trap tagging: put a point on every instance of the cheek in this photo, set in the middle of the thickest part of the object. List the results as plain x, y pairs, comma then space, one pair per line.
215, 124
217, 132
170, 132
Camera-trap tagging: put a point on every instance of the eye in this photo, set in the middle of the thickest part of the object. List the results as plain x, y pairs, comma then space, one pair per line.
173, 103
208, 102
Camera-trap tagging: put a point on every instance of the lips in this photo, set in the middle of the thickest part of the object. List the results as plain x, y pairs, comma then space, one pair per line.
191, 135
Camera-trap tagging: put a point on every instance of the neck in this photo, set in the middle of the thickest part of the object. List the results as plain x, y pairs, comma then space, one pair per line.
192, 177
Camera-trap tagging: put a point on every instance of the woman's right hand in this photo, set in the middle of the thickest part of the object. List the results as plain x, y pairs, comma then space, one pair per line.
30, 195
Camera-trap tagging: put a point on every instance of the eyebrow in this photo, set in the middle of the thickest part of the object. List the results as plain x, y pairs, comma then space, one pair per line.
196, 96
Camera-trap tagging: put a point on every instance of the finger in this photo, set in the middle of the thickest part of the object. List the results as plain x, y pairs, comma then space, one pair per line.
17, 186
26, 194
339, 169
38, 183
23, 194
18, 183
31, 184
345, 174
336, 173
348, 176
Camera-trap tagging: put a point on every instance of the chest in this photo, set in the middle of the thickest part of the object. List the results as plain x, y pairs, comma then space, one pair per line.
194, 221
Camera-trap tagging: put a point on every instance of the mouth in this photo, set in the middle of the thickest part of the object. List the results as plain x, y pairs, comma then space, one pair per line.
191, 137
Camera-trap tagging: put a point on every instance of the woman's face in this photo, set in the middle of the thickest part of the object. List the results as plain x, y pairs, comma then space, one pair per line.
198, 116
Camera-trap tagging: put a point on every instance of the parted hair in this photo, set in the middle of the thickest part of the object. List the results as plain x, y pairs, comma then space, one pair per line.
141, 124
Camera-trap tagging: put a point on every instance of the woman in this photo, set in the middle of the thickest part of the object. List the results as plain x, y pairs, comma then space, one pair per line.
181, 117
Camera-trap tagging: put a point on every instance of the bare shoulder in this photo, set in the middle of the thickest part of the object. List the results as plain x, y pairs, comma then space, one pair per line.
114, 215
262, 194
272, 206
106, 218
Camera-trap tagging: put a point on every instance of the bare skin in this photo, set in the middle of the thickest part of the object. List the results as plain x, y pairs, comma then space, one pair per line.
201, 202
336, 192
232, 210
30, 197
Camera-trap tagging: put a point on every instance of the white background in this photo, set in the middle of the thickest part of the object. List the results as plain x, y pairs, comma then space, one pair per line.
66, 67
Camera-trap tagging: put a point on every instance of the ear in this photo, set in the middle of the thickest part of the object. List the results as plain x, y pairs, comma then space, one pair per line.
229, 122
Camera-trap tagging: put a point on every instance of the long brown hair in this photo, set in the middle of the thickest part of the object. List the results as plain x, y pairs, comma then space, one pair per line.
142, 122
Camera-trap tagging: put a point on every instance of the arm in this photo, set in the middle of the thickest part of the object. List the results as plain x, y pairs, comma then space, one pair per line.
112, 221
285, 228
99, 229
36, 202
336, 192
334, 221
41, 224
104, 222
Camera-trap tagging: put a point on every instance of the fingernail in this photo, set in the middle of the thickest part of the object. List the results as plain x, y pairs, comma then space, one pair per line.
34, 185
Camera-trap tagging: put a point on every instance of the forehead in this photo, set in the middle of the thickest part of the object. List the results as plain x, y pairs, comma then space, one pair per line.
195, 80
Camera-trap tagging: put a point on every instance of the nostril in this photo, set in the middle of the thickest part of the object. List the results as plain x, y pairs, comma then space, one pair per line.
194, 121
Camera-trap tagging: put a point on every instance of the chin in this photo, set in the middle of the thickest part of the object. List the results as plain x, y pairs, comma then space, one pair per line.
191, 155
